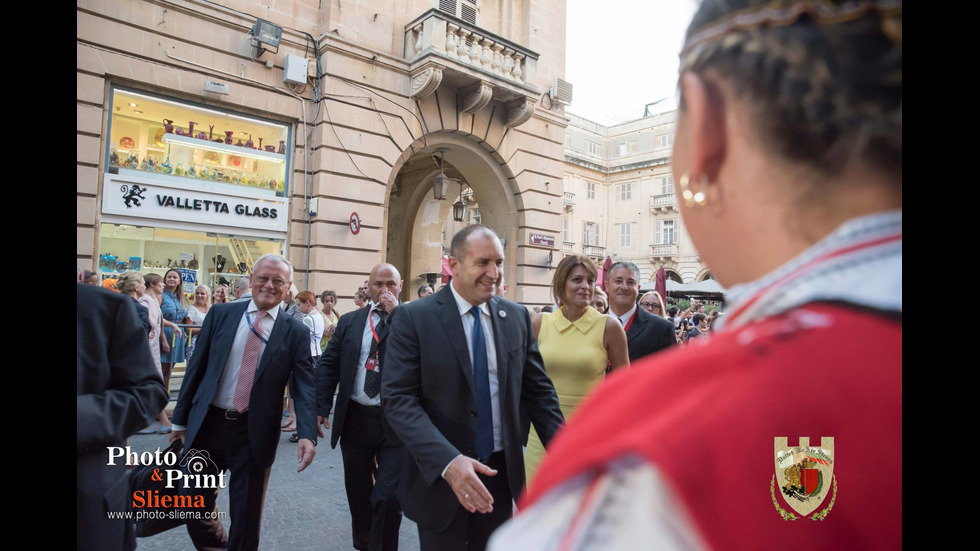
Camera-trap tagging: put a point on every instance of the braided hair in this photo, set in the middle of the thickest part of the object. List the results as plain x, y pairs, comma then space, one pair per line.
822, 78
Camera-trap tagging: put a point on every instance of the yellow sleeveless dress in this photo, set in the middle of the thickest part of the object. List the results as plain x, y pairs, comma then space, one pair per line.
575, 359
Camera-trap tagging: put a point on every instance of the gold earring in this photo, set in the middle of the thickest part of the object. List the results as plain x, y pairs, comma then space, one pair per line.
691, 198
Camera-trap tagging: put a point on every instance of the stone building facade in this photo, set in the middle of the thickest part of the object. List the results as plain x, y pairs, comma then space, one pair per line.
619, 198
382, 97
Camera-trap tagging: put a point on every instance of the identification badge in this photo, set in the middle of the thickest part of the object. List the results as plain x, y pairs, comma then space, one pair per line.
372, 364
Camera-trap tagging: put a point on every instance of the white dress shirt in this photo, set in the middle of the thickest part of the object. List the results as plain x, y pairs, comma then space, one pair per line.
358, 395
625, 318
229, 377
485, 321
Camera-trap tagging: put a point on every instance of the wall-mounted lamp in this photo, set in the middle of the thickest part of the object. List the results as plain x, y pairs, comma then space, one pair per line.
440, 184
265, 33
551, 257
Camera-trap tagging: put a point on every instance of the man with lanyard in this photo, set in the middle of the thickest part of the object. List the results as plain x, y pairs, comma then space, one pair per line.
371, 453
645, 333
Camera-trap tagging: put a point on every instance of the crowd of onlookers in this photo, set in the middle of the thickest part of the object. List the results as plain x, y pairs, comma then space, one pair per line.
171, 324
694, 322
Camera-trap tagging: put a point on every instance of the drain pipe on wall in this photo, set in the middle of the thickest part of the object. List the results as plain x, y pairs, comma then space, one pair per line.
307, 174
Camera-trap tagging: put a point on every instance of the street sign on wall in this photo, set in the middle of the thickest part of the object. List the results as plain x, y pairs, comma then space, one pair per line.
542, 239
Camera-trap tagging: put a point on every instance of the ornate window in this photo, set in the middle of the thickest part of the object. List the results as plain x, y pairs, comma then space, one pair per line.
625, 235
665, 232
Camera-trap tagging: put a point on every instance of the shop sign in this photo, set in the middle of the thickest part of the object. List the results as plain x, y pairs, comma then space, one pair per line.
188, 277
542, 239
144, 197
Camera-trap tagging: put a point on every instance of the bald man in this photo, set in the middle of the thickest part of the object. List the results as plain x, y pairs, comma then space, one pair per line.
371, 453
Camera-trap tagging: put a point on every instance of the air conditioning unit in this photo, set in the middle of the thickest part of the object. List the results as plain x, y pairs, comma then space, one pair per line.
561, 91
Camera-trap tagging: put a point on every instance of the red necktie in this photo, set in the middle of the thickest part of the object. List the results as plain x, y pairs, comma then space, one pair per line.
250, 361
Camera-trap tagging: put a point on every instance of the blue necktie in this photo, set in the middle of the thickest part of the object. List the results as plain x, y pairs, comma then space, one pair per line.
481, 387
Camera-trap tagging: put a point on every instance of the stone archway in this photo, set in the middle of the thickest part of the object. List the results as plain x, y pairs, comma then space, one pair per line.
673, 275
418, 226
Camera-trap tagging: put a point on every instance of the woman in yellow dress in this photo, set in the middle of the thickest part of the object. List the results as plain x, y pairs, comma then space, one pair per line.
576, 343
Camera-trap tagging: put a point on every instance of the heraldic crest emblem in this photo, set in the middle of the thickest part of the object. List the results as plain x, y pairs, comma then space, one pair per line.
804, 476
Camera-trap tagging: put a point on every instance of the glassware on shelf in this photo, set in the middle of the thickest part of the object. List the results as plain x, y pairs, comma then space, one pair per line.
107, 262
168, 126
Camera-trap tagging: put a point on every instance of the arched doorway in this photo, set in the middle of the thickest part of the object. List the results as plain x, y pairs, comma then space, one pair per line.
419, 226
674, 276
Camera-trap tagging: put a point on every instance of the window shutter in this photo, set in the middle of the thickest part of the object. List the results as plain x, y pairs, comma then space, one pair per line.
448, 6
468, 12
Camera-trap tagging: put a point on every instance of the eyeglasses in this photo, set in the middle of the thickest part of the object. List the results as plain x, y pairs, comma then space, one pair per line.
276, 282
649, 306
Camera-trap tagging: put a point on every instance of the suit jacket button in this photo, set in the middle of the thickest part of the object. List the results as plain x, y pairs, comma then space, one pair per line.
472, 413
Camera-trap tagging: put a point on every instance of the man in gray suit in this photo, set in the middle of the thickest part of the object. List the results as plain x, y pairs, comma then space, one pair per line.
462, 370
243, 291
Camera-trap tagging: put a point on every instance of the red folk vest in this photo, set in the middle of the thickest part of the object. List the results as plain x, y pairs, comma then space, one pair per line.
706, 417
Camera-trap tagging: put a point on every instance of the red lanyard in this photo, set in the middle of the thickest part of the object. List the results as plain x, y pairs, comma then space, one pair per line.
371, 325
630, 322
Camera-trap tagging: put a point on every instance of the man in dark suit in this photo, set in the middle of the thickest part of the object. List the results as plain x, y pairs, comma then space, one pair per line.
230, 402
645, 333
463, 368
119, 391
372, 455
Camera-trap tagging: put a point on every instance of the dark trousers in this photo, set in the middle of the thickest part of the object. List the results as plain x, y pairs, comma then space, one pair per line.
226, 444
371, 467
470, 531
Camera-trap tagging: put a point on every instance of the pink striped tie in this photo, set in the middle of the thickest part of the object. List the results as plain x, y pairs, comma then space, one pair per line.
250, 361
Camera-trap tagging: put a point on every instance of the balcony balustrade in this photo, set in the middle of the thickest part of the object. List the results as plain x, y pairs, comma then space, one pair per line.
445, 50
659, 251
663, 203
595, 251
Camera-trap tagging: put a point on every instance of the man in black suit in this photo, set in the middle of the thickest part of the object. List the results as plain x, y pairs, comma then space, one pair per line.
119, 391
645, 333
463, 367
371, 454
230, 402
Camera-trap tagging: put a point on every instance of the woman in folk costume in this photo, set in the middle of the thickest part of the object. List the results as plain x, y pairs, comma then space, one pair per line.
789, 155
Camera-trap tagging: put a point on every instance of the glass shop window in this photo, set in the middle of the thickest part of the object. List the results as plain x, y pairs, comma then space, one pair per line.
186, 143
